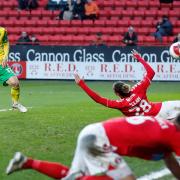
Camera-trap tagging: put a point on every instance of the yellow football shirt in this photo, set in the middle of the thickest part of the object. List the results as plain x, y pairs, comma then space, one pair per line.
4, 45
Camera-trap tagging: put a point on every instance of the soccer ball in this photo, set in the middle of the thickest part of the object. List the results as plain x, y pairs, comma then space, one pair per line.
174, 50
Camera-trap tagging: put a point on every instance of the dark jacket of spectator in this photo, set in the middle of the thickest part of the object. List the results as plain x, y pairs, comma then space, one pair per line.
79, 10
23, 39
177, 38
32, 4
163, 28
34, 40
27, 4
130, 37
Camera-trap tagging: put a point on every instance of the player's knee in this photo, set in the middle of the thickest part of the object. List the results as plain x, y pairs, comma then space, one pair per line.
13, 81
87, 138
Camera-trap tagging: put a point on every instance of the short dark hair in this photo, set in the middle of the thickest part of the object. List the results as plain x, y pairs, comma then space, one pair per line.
121, 88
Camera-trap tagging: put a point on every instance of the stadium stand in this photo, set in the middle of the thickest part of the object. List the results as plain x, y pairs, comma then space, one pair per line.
114, 18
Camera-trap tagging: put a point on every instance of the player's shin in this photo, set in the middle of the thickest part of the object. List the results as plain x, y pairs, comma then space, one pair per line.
15, 92
51, 169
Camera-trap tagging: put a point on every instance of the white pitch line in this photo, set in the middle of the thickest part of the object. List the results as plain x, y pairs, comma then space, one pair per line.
4, 110
155, 174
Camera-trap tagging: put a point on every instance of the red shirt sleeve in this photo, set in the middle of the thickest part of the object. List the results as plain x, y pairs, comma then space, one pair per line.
145, 82
101, 100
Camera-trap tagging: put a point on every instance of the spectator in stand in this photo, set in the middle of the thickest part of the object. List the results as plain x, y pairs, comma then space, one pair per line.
91, 10
34, 40
27, 4
163, 28
79, 10
130, 37
66, 12
24, 39
22, 4
98, 41
32, 4
177, 38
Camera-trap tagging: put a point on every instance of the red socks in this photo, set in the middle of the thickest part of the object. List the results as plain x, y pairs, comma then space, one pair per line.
51, 169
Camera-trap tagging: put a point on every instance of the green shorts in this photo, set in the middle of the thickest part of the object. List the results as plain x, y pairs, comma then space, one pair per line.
5, 74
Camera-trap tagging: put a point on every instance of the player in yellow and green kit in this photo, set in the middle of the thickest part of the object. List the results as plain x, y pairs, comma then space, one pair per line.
7, 76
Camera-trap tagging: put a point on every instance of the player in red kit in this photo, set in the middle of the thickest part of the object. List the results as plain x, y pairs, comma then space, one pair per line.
133, 101
101, 145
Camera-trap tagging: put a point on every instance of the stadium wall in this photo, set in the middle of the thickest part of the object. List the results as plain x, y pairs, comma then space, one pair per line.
94, 63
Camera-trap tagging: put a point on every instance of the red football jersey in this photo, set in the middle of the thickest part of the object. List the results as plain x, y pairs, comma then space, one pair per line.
143, 136
137, 103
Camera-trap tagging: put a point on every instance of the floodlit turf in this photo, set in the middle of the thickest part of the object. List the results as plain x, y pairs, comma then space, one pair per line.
60, 109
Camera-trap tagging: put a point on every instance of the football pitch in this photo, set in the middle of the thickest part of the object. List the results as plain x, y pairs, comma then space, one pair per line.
58, 110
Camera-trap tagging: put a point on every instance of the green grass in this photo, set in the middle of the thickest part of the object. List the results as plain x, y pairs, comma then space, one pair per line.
60, 109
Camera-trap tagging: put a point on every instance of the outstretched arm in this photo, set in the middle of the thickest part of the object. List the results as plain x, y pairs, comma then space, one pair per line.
149, 71
96, 97
173, 165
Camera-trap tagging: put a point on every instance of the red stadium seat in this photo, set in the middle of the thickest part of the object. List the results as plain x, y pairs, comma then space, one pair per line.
76, 23
4, 14
105, 14
176, 4
77, 39
8, 23
87, 23
121, 3
176, 30
107, 30
135, 23
154, 4
48, 31
114, 40
13, 38
99, 23
108, 3
127, 13
43, 38
13, 31
149, 40
47, 13
123, 23
83, 30
138, 13
95, 30
143, 4
52, 23
36, 13
116, 13
119, 31
64, 23
140, 39
42, 23
66, 39
143, 31
147, 23
131, 4
151, 13
111, 23
89, 39
30, 23
71, 30
22, 13
19, 23
173, 13
37, 30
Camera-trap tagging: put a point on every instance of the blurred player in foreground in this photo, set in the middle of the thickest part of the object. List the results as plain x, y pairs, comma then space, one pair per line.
101, 145
133, 101
7, 76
